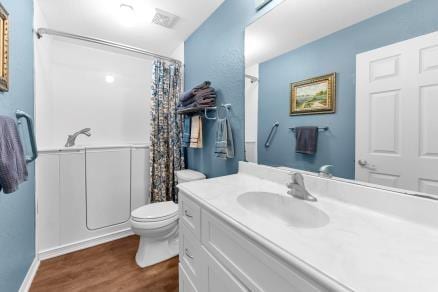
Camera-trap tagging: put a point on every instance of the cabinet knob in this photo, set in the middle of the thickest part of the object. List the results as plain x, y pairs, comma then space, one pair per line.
188, 214
188, 254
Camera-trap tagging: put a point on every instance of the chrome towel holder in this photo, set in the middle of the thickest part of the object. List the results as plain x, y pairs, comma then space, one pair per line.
226, 106
321, 129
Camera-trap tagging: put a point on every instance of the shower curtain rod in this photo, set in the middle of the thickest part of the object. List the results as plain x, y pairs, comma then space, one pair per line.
41, 31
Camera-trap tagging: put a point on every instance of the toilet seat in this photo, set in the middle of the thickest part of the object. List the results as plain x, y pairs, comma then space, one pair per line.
156, 212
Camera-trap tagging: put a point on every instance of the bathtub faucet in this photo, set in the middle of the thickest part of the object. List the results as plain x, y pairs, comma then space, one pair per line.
72, 138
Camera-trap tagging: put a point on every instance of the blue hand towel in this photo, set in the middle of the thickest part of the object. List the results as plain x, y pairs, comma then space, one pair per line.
224, 140
13, 170
187, 125
307, 140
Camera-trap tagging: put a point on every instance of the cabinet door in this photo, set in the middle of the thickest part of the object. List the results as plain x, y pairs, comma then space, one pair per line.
185, 284
218, 279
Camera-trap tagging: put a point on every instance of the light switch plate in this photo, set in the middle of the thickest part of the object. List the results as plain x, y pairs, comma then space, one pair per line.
260, 3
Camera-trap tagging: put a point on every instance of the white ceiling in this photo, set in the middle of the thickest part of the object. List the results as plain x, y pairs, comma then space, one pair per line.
294, 23
101, 19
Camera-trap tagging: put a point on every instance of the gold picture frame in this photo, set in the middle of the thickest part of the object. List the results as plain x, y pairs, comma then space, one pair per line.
314, 96
4, 49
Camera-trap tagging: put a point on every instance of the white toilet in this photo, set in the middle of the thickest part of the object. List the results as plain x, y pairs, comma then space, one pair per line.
157, 226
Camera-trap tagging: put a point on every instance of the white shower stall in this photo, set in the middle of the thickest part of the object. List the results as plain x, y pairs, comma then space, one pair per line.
85, 193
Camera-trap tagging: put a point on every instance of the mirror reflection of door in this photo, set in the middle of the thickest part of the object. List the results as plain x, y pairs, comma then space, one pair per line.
396, 120
384, 130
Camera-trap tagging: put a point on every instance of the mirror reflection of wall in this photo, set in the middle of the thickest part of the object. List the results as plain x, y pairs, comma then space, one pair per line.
381, 52
251, 112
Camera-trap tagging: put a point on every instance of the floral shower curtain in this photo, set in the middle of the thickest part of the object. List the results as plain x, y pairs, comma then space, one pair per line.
166, 154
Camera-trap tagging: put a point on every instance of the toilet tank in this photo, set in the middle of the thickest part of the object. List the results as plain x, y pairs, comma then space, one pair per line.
188, 175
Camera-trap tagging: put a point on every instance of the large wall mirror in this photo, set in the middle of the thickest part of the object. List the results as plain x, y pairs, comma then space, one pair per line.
358, 89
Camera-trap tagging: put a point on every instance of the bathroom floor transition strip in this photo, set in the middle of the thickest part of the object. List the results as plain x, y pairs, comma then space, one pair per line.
107, 267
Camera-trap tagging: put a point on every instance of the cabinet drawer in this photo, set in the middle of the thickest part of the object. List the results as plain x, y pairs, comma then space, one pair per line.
190, 253
185, 284
190, 215
218, 279
249, 262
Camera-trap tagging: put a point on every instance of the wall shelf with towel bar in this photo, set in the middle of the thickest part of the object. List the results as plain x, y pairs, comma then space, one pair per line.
321, 129
205, 110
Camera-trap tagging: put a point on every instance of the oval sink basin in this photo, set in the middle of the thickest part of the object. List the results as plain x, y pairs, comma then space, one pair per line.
283, 209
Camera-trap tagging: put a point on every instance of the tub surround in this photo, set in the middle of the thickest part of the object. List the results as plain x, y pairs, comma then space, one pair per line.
92, 146
376, 240
73, 188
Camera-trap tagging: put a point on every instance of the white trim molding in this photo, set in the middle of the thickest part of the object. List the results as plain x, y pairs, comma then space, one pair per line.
27, 282
68, 248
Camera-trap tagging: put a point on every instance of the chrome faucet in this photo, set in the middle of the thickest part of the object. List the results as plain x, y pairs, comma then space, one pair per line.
326, 171
72, 138
297, 188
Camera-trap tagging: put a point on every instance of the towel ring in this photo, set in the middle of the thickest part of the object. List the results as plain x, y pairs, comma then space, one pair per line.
227, 112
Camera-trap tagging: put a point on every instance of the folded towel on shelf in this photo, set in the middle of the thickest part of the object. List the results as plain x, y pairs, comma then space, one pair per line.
187, 125
196, 99
307, 140
205, 91
201, 86
224, 139
186, 95
210, 102
196, 132
13, 170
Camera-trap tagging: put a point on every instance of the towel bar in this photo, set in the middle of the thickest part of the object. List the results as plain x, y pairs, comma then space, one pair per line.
323, 129
21, 114
205, 110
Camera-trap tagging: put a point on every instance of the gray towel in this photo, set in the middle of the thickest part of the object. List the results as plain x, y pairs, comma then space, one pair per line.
224, 140
13, 170
187, 125
307, 140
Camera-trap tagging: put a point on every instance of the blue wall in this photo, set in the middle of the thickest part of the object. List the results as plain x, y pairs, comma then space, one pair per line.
334, 53
215, 52
17, 210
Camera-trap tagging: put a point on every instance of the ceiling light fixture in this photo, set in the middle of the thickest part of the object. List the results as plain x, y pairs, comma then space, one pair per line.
109, 79
127, 14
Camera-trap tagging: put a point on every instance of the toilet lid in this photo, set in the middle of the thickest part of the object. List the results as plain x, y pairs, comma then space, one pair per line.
155, 212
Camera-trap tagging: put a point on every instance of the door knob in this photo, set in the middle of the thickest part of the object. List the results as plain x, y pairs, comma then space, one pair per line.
362, 163
365, 164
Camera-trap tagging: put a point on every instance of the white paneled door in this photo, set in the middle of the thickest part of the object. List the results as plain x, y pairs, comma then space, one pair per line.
397, 115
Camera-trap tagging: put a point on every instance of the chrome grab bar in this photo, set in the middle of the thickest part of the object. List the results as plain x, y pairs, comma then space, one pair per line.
21, 114
271, 134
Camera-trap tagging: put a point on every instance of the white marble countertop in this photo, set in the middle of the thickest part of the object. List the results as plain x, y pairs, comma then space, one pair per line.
361, 249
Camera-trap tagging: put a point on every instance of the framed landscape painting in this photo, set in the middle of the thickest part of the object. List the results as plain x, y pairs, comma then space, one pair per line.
313, 96
4, 49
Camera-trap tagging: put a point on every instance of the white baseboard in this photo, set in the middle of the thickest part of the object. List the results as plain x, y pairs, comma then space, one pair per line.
68, 248
27, 282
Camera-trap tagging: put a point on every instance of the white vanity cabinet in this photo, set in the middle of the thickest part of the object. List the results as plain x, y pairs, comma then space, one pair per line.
214, 256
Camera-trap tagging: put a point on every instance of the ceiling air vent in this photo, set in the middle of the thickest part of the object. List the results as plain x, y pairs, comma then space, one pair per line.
164, 18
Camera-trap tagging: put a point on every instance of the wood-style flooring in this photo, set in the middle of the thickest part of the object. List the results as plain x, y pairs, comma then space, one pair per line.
106, 267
